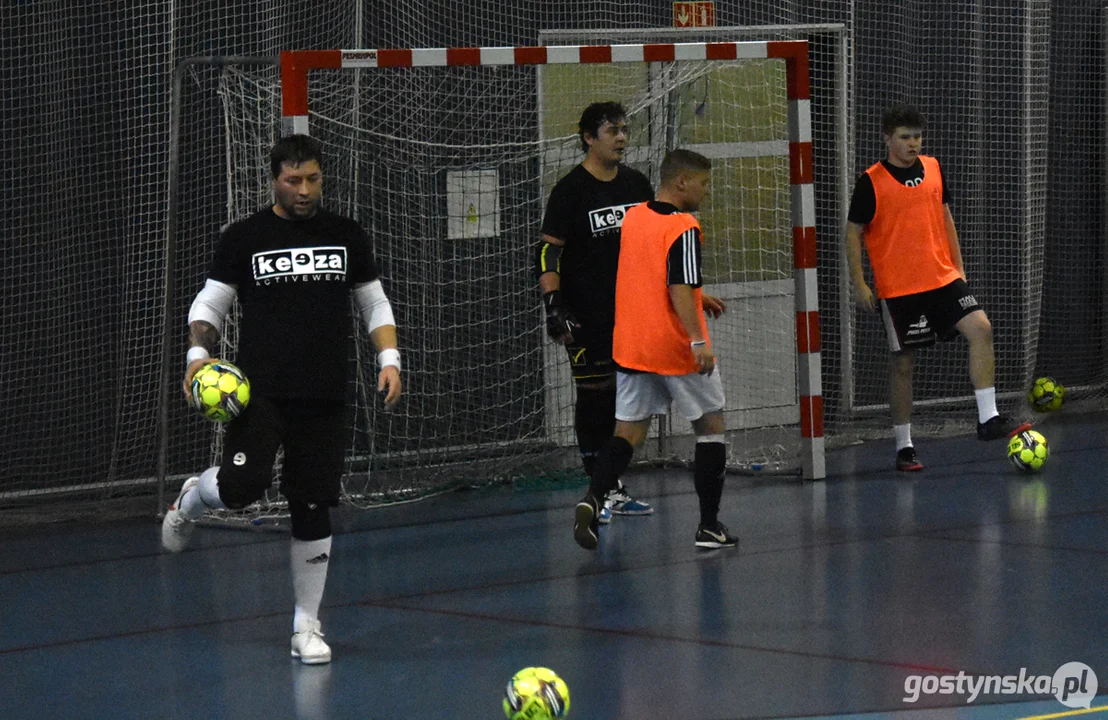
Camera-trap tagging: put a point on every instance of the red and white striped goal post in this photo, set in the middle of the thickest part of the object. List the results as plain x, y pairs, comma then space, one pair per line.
297, 64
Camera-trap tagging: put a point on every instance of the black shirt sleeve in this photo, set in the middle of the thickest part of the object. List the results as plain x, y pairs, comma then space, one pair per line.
946, 188
863, 203
558, 221
225, 266
683, 260
363, 266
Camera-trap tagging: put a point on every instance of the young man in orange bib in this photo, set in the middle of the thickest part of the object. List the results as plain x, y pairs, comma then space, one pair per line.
900, 207
661, 347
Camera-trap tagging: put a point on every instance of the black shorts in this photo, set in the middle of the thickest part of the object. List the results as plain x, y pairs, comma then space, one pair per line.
919, 320
314, 437
590, 354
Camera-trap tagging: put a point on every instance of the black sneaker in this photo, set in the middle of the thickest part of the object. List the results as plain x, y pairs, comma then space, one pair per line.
586, 523
714, 537
1000, 426
907, 460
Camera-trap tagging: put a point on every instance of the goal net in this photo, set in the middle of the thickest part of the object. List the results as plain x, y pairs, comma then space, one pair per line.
447, 157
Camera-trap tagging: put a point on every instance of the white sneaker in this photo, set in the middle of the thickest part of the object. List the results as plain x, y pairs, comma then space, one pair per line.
176, 528
308, 646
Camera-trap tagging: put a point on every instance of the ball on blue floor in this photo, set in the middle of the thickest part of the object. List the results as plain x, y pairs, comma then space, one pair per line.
1028, 451
536, 693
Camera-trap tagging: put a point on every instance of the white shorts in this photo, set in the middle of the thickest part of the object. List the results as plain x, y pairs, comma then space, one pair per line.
640, 395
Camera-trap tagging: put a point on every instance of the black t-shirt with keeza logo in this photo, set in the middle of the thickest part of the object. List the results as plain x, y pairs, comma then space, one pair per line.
294, 279
587, 214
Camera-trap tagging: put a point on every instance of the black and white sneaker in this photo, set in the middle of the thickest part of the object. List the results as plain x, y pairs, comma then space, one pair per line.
907, 460
586, 522
715, 537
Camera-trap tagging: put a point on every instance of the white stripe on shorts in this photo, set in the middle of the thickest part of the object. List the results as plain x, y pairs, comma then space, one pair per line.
890, 328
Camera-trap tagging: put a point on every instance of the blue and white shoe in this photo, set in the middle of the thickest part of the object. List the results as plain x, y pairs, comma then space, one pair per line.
605, 514
620, 502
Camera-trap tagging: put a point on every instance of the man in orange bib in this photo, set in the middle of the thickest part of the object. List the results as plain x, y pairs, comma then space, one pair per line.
900, 207
661, 347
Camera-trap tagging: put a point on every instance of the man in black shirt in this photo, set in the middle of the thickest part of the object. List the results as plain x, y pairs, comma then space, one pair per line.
293, 267
576, 263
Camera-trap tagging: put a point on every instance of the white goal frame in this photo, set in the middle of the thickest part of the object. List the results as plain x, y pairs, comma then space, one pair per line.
296, 67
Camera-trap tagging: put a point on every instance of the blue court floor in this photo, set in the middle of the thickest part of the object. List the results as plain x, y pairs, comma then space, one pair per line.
845, 598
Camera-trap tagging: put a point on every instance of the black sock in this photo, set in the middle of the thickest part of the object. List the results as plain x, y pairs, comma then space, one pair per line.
611, 461
708, 472
594, 419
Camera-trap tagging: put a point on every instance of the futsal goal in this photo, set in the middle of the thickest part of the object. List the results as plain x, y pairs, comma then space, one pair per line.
446, 157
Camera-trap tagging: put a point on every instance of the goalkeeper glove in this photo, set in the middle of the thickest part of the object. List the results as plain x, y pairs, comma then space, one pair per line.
560, 322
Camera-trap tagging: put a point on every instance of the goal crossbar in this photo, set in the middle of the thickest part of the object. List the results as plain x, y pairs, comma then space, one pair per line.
296, 66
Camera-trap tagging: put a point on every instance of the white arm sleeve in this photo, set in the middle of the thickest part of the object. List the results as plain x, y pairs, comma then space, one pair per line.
213, 303
372, 305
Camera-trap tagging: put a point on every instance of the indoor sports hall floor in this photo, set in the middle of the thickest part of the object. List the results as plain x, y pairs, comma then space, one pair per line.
839, 591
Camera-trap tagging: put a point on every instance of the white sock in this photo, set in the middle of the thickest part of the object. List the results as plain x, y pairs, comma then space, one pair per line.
309, 560
903, 436
204, 496
986, 403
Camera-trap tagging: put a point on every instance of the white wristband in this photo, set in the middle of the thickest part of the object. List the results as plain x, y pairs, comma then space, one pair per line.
697, 343
389, 356
196, 353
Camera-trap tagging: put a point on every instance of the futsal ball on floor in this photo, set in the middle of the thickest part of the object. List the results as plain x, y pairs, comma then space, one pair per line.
1028, 451
1046, 394
220, 391
536, 693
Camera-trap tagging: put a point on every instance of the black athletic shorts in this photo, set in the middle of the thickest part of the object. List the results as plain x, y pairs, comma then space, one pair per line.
313, 434
919, 320
590, 354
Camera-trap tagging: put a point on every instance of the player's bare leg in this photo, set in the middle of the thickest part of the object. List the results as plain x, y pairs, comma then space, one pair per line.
901, 367
991, 425
978, 332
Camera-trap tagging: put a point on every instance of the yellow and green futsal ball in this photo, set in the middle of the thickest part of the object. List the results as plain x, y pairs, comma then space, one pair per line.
1028, 451
536, 693
220, 391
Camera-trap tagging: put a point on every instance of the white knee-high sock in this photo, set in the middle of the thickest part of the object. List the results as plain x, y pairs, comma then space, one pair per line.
309, 560
204, 496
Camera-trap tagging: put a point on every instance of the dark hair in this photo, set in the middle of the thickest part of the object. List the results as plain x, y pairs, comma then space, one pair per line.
902, 116
596, 115
294, 150
679, 161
